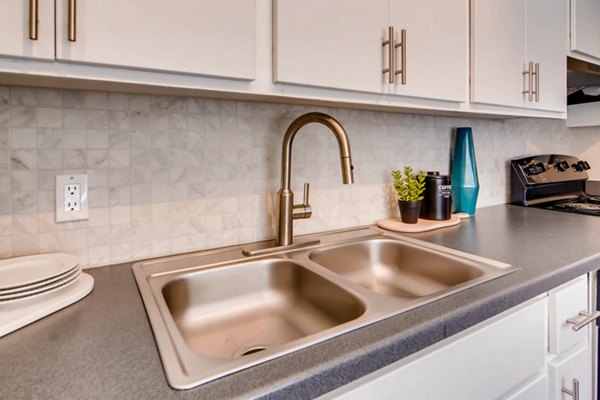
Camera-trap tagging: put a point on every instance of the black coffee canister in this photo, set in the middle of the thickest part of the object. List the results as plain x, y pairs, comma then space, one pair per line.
437, 203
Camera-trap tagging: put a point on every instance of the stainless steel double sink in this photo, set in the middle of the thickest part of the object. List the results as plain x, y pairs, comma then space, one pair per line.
217, 312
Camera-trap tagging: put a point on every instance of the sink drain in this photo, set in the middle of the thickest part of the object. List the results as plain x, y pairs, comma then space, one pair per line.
253, 350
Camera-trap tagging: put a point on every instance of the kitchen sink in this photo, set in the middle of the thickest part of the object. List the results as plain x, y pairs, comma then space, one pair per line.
396, 268
241, 309
216, 312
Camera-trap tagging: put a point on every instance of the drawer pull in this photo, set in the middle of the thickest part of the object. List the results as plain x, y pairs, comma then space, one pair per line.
537, 81
529, 73
390, 43
575, 392
33, 19
72, 21
402, 44
577, 325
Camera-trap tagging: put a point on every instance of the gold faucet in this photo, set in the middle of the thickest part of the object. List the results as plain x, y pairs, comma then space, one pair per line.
288, 211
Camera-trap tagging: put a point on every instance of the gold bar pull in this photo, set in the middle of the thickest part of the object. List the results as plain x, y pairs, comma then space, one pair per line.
390, 44
537, 81
33, 19
402, 70
72, 27
529, 73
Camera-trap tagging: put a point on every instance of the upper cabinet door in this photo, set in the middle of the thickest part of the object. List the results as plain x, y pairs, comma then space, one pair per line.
585, 27
437, 48
21, 36
498, 53
547, 43
208, 37
331, 43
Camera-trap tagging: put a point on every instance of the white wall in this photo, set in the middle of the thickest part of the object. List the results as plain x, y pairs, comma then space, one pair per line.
172, 174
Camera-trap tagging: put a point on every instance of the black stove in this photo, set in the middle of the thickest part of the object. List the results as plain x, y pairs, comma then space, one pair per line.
554, 182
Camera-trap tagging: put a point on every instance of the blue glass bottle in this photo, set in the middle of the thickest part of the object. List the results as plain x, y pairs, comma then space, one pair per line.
465, 184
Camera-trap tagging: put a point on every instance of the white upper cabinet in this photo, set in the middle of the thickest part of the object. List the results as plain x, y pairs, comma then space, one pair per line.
547, 43
518, 53
340, 44
208, 37
437, 52
21, 35
498, 51
330, 43
585, 27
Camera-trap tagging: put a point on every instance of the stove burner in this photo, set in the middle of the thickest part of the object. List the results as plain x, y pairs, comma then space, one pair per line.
594, 200
580, 206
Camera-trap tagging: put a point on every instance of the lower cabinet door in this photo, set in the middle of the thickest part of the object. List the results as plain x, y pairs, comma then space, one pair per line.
537, 389
573, 368
488, 361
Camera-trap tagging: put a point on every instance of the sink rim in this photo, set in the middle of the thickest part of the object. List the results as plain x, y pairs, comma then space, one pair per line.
186, 369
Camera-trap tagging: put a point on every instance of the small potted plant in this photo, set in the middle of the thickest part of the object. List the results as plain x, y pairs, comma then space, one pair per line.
409, 189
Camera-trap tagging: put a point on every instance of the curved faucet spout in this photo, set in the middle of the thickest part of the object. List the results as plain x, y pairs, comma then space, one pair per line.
287, 210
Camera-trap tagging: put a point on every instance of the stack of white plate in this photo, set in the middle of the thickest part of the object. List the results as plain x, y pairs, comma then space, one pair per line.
31, 276
32, 287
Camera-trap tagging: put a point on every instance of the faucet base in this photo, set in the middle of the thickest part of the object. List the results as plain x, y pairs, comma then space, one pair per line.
271, 246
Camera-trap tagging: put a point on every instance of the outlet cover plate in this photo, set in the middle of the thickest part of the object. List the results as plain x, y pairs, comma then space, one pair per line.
71, 205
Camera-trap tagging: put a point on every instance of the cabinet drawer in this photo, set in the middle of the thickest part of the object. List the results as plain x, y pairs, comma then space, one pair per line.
567, 302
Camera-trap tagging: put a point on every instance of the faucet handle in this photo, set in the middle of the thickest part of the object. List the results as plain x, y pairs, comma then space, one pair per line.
300, 211
306, 188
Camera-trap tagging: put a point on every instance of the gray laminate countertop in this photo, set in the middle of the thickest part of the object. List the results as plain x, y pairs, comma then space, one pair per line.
102, 347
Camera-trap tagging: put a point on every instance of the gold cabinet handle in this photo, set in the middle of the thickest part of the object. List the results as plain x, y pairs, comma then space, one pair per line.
573, 393
529, 73
537, 81
390, 43
402, 70
72, 20
33, 19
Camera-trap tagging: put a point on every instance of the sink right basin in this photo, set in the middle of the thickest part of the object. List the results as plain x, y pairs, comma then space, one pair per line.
399, 269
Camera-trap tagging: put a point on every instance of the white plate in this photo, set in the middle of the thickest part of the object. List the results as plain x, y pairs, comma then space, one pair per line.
17, 314
41, 290
36, 285
24, 271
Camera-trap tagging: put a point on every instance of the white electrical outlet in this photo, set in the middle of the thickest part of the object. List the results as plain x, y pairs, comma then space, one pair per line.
71, 198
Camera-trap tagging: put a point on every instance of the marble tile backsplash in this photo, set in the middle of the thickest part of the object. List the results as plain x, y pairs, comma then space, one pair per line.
173, 174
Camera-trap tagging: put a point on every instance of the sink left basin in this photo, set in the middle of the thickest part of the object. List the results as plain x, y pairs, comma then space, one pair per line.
243, 309
210, 321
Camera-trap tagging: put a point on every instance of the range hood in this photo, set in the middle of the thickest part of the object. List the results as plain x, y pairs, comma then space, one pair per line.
583, 93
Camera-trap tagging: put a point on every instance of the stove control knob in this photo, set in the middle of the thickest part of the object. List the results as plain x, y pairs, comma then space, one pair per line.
534, 169
580, 166
541, 167
562, 166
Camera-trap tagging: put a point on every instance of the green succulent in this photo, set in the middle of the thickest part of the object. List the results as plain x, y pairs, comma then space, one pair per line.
409, 187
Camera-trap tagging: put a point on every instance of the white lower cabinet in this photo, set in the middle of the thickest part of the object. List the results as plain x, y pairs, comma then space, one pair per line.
486, 362
567, 302
535, 389
529, 352
570, 370
571, 361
